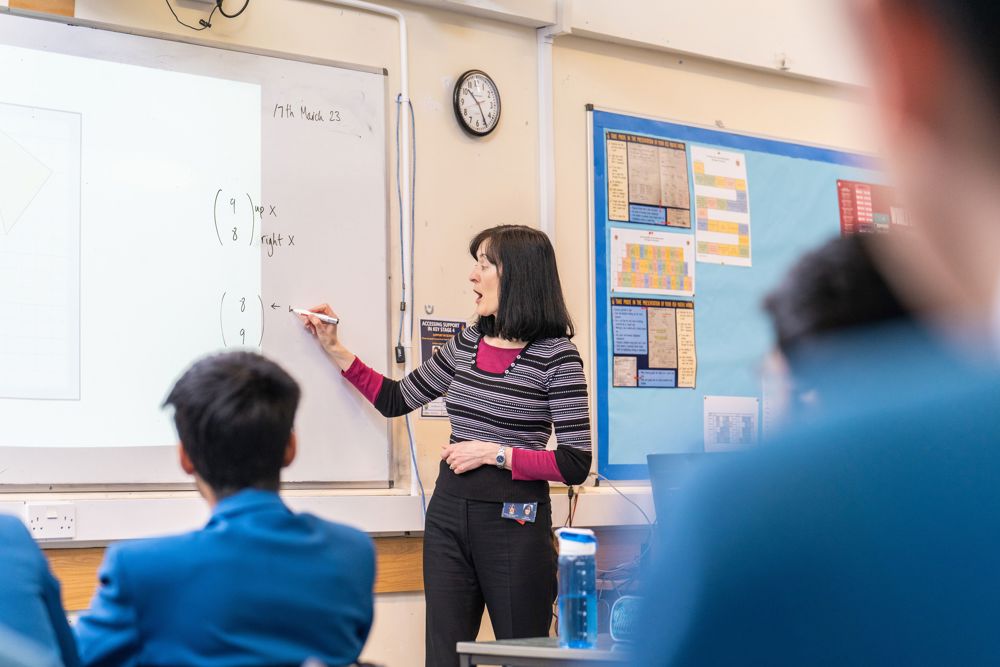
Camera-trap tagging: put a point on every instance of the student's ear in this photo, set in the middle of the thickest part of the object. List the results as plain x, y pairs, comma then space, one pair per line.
908, 57
186, 464
290, 450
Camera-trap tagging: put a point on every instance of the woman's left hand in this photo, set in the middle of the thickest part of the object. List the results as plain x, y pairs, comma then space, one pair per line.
469, 455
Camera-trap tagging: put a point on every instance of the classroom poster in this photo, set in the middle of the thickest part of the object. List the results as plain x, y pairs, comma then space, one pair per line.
867, 208
722, 206
730, 422
648, 181
434, 334
651, 262
653, 343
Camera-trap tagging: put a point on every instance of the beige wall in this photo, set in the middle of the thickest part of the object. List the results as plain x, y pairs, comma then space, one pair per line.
810, 38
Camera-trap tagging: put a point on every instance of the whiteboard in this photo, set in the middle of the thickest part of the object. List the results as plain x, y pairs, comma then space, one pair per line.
163, 199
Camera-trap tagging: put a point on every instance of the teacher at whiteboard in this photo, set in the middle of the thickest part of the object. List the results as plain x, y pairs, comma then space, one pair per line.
510, 379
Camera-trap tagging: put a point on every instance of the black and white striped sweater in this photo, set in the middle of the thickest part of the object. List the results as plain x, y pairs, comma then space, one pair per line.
544, 388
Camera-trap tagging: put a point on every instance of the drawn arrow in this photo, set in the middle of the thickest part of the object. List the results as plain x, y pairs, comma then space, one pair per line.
275, 306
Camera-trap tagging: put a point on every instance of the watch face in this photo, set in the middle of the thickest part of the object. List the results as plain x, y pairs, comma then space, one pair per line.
500, 459
477, 103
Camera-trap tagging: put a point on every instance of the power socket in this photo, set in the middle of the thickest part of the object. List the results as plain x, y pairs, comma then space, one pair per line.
52, 521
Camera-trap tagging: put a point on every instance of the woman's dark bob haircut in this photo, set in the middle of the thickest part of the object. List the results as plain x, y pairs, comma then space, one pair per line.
531, 299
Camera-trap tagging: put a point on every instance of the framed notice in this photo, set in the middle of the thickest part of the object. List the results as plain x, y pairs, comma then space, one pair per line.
435, 334
653, 343
868, 208
648, 180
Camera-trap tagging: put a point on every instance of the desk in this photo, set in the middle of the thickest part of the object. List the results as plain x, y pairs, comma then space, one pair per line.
541, 652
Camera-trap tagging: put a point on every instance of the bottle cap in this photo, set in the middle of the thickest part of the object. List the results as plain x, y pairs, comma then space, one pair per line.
576, 542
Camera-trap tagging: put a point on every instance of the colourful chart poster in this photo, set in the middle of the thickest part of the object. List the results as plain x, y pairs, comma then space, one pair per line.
722, 206
867, 208
434, 334
653, 343
651, 262
648, 181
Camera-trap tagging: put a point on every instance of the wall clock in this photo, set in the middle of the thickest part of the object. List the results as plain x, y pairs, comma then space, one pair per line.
477, 103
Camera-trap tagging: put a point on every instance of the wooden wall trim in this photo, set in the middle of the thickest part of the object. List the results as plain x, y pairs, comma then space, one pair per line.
61, 7
399, 563
76, 570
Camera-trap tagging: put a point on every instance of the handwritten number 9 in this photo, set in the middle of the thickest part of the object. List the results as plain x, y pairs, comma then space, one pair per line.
243, 336
232, 202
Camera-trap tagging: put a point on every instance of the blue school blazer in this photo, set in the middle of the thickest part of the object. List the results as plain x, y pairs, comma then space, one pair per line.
868, 536
258, 585
30, 606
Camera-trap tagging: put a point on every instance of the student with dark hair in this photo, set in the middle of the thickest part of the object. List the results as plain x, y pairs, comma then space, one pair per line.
32, 620
510, 379
832, 293
259, 584
829, 290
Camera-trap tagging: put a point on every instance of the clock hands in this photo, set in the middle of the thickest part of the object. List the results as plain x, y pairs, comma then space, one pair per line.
476, 100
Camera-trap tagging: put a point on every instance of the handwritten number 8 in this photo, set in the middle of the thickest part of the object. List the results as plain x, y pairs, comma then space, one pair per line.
243, 305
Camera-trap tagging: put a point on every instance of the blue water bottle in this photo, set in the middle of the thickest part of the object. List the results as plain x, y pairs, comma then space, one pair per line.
577, 588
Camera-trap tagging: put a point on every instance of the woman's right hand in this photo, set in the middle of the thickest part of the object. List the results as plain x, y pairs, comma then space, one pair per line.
327, 336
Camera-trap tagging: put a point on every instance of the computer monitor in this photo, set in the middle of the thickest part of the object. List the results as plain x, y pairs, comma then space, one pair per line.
668, 473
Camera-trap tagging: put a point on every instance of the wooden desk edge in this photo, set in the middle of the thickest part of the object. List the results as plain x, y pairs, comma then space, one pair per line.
501, 649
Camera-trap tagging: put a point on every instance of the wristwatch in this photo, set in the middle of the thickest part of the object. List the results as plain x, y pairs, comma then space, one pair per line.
501, 457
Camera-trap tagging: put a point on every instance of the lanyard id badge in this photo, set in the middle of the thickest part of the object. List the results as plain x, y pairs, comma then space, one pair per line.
520, 512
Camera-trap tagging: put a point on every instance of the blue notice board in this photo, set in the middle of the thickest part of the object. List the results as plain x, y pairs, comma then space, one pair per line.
646, 241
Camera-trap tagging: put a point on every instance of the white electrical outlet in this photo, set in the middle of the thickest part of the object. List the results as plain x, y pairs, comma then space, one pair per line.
52, 521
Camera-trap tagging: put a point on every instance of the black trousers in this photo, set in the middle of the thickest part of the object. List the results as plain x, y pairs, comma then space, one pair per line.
473, 557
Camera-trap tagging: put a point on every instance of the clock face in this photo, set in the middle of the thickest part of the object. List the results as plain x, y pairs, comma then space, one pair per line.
477, 103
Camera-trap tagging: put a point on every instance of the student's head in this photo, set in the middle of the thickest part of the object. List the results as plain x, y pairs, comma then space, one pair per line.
518, 294
234, 414
935, 77
831, 295
828, 291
